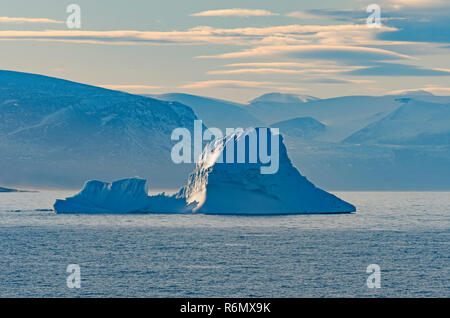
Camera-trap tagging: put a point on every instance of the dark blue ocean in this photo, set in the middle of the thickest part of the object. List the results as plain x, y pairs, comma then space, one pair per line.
406, 233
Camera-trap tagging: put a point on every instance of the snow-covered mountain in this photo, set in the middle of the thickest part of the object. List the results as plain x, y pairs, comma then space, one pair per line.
215, 112
331, 164
57, 133
422, 95
302, 127
283, 98
416, 163
342, 115
414, 123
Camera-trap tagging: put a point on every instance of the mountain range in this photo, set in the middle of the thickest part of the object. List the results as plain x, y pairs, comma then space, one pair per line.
56, 133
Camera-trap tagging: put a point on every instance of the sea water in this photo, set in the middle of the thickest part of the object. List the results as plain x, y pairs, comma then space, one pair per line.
407, 234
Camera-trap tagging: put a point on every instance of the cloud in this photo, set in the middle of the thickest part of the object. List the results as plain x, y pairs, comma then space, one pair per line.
240, 84
294, 65
436, 90
295, 31
355, 61
319, 49
415, 20
398, 69
337, 81
228, 84
275, 86
273, 64
20, 20
250, 36
119, 37
334, 14
414, 3
348, 15
304, 15
325, 52
272, 71
234, 13
389, 13
319, 67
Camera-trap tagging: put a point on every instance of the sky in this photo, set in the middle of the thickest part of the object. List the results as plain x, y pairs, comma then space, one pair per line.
234, 50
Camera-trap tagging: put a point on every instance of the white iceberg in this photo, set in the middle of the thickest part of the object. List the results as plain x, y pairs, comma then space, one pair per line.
235, 188
123, 196
215, 187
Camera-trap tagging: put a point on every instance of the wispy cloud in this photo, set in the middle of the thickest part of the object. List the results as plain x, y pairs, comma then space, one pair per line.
234, 13
337, 81
274, 86
398, 69
415, 20
316, 50
436, 90
272, 64
20, 20
251, 36
241, 84
273, 71
414, 3
320, 67
325, 52
121, 37
304, 15
228, 84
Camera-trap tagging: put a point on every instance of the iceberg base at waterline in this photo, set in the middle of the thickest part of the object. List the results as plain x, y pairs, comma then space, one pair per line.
119, 197
214, 187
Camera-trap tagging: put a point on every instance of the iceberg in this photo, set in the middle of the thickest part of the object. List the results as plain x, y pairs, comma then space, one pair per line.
119, 197
215, 187
236, 188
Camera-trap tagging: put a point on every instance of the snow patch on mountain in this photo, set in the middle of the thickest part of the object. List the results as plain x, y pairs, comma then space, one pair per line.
63, 133
414, 123
215, 112
283, 98
301, 127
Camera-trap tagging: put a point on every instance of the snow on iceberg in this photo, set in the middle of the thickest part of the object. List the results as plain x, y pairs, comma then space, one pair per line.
215, 187
236, 188
123, 196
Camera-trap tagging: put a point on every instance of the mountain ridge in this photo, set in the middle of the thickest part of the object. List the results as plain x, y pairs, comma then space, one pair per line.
58, 133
